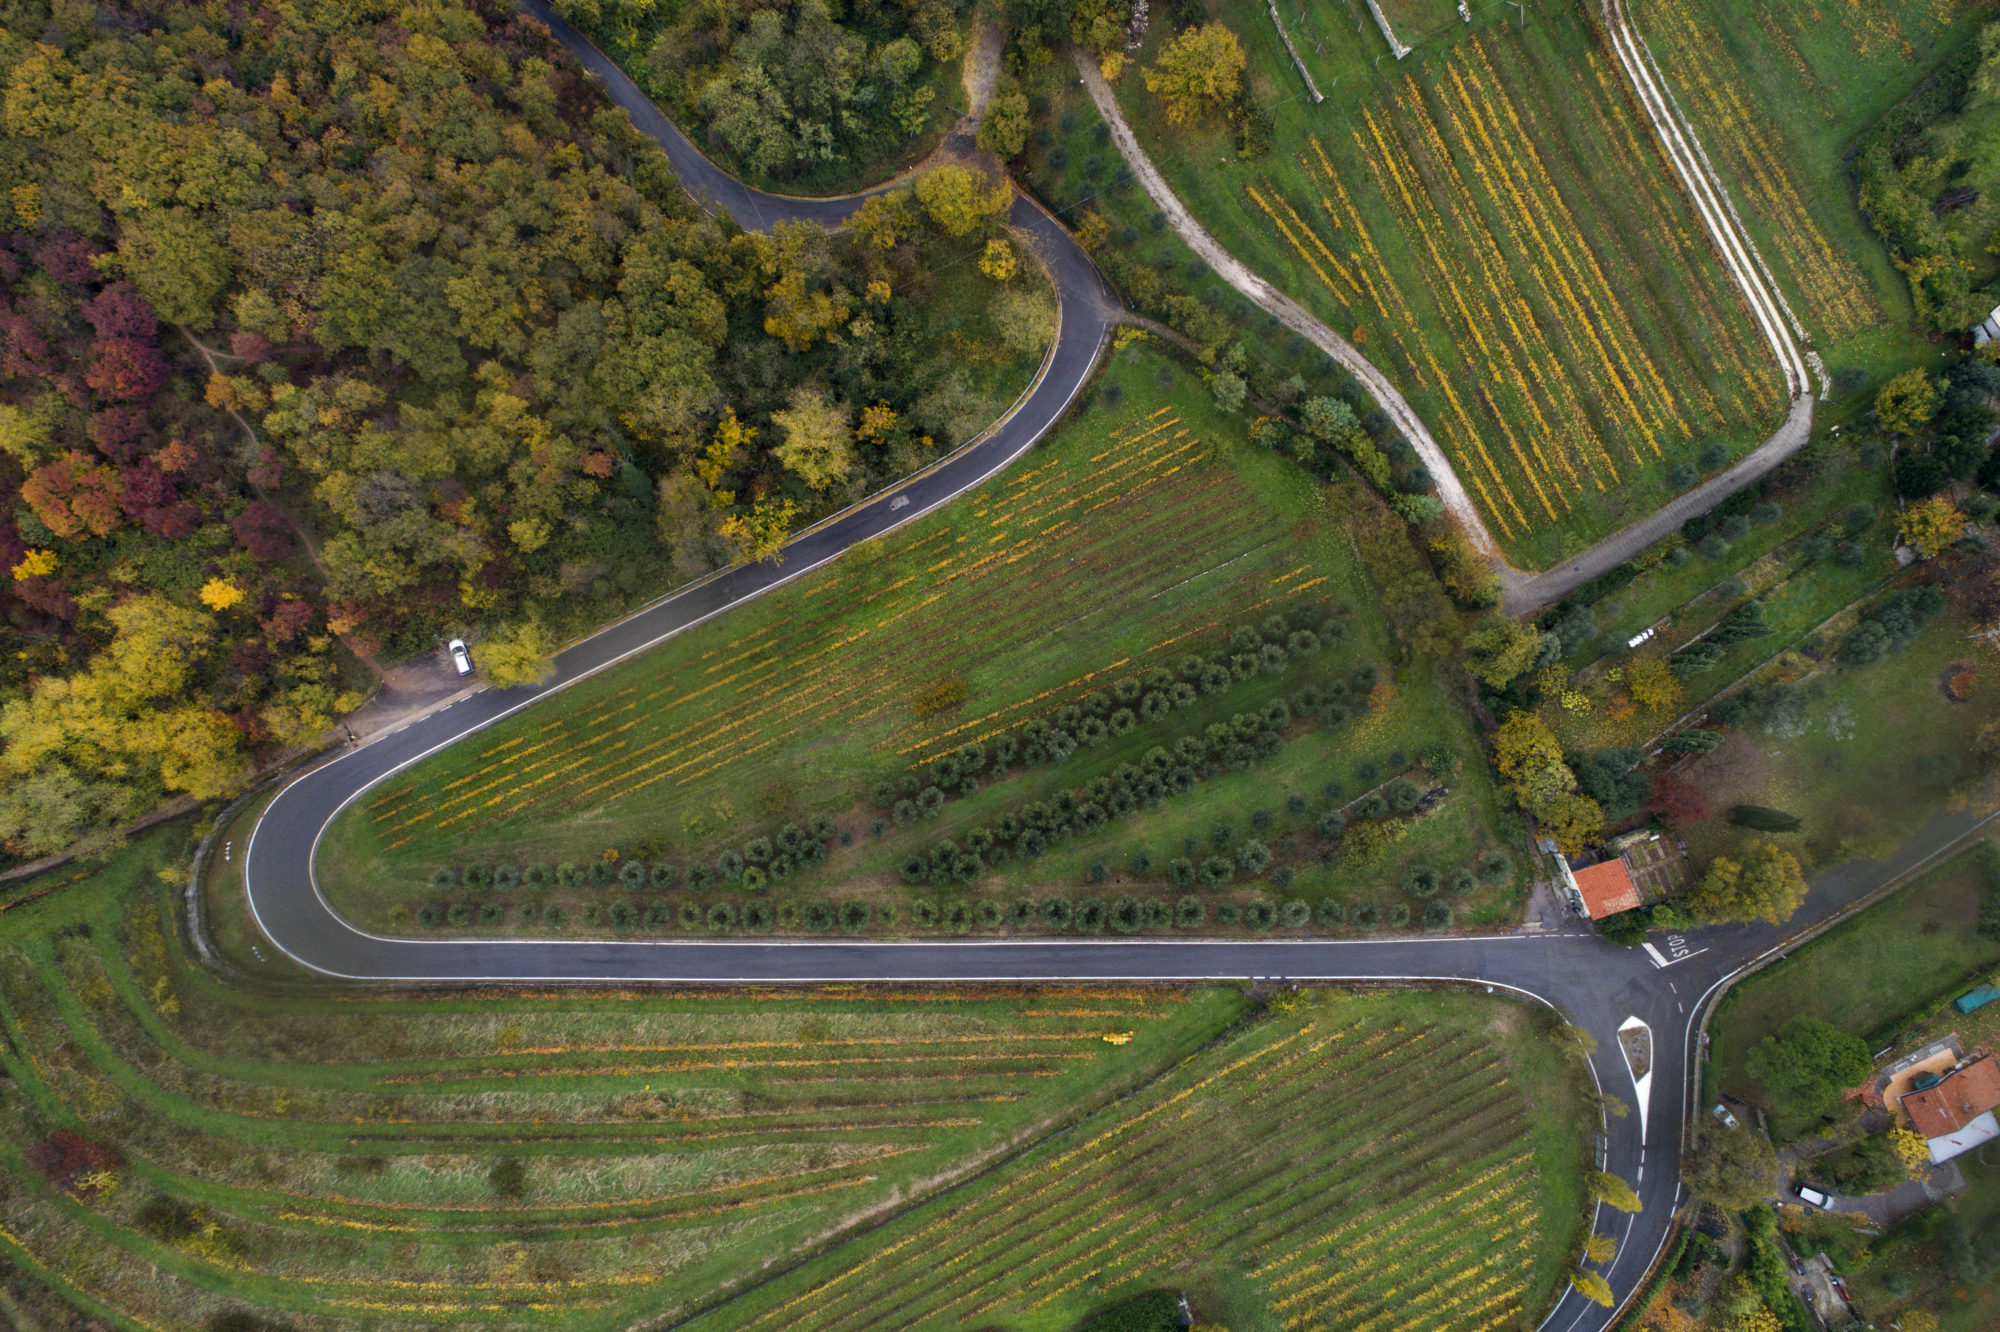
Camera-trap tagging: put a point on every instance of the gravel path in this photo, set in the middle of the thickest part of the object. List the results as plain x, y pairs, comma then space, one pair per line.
1290, 313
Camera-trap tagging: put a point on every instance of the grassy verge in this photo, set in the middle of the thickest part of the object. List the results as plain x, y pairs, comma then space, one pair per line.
1144, 531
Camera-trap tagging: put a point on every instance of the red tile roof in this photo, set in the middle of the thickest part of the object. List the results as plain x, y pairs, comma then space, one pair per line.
1607, 889
1957, 1100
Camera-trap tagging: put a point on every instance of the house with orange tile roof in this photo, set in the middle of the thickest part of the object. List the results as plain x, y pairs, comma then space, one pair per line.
1955, 1112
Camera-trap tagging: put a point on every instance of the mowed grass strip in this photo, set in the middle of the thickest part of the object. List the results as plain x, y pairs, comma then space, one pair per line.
1340, 1119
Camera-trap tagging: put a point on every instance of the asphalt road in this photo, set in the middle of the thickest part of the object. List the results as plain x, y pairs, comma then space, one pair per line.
1597, 986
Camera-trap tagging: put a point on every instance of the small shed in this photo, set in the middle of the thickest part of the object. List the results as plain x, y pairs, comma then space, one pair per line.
1988, 330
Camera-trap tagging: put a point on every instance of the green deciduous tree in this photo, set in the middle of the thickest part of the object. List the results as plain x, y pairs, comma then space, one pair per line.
1906, 403
1732, 1168
1808, 1064
1499, 650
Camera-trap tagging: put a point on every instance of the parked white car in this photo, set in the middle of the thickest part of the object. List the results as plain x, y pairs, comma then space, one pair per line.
1812, 1197
1722, 1115
460, 658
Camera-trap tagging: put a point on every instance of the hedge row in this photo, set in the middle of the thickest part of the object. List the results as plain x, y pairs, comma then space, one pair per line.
1090, 915
761, 860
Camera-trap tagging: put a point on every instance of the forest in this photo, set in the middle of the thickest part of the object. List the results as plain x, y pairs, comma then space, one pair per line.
329, 330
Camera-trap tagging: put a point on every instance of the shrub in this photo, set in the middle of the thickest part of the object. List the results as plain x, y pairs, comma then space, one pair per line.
1260, 819
1124, 916
987, 914
1260, 915
601, 873
722, 917
781, 867
1226, 914
1404, 795
506, 877
1422, 881
665, 874
1399, 915
1365, 916
700, 877
757, 851
1190, 913
1221, 835
1437, 914
1155, 914
820, 826
876, 828
1495, 865
444, 876
530, 912
1021, 913
632, 874
757, 917
1057, 912
690, 916
1217, 870
854, 916
1140, 863
1254, 857
914, 868
789, 916
1090, 916
555, 915
623, 915
475, 876
537, 876
905, 813
883, 793
1371, 806
754, 879
459, 913
430, 915
924, 913
1331, 824
1462, 883
1331, 911
658, 916
1296, 914
729, 866
930, 802
817, 917
592, 914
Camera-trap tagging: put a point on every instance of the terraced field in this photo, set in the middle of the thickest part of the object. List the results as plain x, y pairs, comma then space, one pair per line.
175, 1153
1778, 93
1490, 221
1288, 1166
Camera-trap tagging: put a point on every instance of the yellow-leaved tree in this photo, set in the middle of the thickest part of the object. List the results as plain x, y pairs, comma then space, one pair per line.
522, 653
960, 199
819, 444
1933, 524
1200, 71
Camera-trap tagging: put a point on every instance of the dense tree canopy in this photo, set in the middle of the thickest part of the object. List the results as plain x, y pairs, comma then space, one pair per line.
398, 272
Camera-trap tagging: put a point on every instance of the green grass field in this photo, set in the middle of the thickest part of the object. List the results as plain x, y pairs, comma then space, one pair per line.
1489, 221
175, 1152
1883, 746
1144, 531
1779, 94
1889, 963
